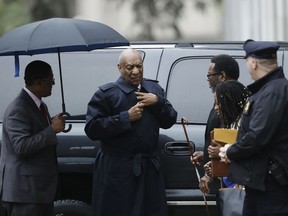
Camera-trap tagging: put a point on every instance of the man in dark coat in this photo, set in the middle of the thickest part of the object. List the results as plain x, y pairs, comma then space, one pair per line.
127, 177
28, 162
222, 68
262, 142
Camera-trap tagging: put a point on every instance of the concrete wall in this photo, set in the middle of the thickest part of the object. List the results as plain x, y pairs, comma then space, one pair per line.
256, 19
194, 24
233, 20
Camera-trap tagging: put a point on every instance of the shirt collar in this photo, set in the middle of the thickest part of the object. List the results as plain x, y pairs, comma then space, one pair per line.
33, 96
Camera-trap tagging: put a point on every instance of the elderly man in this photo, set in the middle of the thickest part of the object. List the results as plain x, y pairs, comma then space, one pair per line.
126, 116
259, 158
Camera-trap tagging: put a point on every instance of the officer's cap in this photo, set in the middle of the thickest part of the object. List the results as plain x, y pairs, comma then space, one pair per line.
261, 49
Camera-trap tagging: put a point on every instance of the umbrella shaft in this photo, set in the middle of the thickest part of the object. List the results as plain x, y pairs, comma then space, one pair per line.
61, 83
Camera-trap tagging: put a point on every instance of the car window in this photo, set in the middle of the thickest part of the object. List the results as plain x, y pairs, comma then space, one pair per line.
188, 89
82, 75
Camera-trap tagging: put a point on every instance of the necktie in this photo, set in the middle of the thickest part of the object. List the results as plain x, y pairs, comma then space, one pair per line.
44, 113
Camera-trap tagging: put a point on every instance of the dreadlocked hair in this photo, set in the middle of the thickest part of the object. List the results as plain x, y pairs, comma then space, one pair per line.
231, 96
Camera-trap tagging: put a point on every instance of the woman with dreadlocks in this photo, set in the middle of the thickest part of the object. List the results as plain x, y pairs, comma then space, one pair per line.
229, 100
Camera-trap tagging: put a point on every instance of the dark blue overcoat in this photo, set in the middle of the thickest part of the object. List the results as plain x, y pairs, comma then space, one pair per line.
127, 177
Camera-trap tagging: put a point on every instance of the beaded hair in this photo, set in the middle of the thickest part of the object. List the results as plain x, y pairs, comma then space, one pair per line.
231, 96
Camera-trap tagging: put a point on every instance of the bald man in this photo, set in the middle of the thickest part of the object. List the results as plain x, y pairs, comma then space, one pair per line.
125, 116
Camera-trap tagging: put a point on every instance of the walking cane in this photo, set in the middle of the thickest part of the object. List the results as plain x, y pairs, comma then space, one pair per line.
184, 123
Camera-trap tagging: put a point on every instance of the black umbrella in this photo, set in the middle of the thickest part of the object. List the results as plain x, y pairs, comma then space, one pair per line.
58, 35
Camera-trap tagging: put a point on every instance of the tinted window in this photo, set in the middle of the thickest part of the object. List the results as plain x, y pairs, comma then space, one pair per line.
82, 72
188, 89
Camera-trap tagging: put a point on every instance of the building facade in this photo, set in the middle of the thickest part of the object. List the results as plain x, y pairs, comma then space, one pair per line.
232, 20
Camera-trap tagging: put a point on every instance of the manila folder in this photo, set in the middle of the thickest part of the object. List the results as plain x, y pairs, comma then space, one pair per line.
222, 136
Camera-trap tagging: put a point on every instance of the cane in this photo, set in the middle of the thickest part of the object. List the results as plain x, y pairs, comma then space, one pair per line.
184, 123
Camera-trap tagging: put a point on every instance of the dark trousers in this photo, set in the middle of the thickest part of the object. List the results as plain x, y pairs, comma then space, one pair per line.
272, 202
29, 209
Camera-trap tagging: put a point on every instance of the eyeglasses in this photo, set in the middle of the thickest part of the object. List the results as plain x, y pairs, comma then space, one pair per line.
211, 74
50, 80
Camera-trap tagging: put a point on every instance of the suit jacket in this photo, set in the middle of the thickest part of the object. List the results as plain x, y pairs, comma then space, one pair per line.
212, 122
28, 162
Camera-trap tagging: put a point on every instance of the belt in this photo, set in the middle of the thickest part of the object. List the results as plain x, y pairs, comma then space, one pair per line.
137, 159
137, 162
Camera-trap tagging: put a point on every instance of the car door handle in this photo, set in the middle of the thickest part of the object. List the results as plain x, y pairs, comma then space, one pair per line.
179, 148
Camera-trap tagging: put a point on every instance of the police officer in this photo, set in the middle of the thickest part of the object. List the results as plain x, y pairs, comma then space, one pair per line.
127, 177
262, 140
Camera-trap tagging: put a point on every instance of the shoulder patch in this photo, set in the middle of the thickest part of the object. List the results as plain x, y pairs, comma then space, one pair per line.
247, 105
151, 80
107, 86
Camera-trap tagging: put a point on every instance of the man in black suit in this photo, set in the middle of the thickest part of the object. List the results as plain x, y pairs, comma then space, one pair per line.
28, 162
223, 67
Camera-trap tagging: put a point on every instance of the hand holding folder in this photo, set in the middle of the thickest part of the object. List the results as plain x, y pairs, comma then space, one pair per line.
222, 136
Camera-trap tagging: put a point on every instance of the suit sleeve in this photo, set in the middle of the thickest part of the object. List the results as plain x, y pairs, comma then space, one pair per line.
26, 134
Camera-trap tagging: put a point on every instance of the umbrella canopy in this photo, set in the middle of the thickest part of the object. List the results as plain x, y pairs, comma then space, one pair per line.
57, 35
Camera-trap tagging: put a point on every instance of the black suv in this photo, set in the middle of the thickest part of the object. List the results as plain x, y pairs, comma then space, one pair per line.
181, 70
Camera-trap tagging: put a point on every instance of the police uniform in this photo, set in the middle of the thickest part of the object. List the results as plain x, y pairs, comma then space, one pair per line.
263, 135
127, 176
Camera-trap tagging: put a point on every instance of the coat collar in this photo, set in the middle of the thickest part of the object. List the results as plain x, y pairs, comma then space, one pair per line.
258, 84
125, 86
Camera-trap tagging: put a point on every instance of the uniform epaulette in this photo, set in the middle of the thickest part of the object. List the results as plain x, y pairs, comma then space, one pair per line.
107, 86
151, 80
